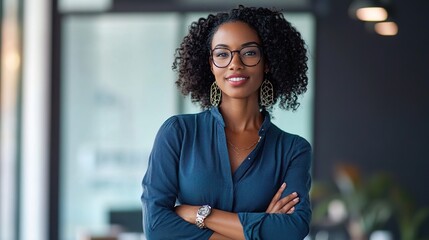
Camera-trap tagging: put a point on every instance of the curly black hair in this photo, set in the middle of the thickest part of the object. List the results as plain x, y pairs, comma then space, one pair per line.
283, 48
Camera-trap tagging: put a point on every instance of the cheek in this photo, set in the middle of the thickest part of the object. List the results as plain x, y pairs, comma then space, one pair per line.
217, 72
261, 73
263, 76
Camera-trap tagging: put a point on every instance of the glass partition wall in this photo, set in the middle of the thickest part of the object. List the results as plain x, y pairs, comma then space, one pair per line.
116, 92
10, 81
117, 88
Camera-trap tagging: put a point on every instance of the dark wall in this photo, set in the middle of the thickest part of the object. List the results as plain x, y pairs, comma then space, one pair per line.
372, 96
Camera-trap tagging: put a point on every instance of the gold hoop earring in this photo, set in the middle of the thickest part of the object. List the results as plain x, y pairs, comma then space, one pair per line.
266, 94
215, 94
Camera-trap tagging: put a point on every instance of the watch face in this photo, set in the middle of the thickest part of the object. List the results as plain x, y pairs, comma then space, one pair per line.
204, 210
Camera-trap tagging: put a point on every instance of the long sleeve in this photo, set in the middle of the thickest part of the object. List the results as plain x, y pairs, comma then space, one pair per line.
189, 164
160, 189
286, 226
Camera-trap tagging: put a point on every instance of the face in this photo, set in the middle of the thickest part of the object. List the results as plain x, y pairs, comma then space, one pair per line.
241, 78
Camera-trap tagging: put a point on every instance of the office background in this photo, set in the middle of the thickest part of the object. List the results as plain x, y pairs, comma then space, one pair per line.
83, 152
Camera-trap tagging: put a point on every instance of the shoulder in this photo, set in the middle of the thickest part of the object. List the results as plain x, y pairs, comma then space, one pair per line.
293, 140
175, 127
190, 117
184, 120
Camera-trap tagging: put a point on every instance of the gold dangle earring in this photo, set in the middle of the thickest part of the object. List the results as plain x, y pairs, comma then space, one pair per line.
215, 94
266, 93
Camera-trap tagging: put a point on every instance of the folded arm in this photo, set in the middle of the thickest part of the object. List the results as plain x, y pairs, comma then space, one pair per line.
227, 225
275, 223
160, 189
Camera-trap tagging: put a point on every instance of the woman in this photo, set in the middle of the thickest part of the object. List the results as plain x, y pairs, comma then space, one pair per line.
222, 173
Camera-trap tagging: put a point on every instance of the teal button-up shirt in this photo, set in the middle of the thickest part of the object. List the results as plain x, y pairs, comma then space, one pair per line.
189, 164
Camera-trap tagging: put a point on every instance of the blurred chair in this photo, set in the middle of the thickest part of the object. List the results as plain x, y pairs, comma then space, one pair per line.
129, 221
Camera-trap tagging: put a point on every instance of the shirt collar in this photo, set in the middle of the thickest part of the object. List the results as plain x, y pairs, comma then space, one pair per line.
264, 127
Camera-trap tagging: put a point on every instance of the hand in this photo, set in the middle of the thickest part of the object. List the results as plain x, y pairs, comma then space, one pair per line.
284, 205
187, 212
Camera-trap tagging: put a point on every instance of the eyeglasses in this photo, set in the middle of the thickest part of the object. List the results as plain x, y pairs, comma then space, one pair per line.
250, 56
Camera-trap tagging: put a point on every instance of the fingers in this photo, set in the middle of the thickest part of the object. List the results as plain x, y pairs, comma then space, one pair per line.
285, 205
276, 197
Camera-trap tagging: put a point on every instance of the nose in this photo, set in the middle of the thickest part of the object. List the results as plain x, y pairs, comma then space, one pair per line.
235, 61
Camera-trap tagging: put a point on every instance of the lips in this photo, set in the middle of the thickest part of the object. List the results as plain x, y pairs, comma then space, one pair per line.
237, 79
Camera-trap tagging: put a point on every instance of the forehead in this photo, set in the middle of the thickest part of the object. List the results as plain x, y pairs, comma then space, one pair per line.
234, 34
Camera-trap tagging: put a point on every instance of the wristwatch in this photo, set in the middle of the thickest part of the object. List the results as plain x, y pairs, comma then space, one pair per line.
203, 212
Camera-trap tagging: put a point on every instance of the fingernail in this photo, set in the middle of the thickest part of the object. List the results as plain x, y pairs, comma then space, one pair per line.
295, 193
296, 200
283, 185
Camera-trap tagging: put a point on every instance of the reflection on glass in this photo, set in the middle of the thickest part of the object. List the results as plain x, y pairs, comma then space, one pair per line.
118, 88
9, 108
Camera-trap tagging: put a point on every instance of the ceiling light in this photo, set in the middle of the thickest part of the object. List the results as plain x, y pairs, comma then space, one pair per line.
371, 14
366, 10
386, 28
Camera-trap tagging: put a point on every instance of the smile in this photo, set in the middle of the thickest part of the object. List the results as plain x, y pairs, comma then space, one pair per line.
237, 79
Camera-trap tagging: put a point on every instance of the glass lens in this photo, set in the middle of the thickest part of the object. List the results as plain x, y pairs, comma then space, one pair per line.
221, 57
250, 56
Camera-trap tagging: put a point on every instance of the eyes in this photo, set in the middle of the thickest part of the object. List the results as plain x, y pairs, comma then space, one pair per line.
250, 56
246, 52
220, 53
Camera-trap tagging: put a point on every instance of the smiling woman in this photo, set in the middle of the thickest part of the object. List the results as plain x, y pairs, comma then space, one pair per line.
113, 69
229, 170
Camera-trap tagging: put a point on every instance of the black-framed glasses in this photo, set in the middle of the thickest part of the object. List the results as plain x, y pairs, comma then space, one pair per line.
250, 56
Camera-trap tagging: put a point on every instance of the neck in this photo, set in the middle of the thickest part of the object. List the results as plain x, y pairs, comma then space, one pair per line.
241, 116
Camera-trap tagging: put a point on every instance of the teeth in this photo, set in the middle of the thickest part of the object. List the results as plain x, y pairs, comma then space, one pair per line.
236, 79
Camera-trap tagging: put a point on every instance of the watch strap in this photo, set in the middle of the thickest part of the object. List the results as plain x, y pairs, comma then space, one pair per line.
202, 213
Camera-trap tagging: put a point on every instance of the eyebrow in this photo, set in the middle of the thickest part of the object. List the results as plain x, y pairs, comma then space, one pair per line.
243, 45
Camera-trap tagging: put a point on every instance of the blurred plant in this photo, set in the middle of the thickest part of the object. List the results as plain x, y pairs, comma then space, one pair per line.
410, 218
365, 205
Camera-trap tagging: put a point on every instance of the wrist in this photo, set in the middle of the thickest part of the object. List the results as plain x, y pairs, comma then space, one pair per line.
202, 213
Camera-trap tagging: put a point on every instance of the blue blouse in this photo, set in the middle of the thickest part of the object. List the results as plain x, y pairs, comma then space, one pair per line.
189, 164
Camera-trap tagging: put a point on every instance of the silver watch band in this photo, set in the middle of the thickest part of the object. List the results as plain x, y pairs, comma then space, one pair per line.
202, 213
200, 222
